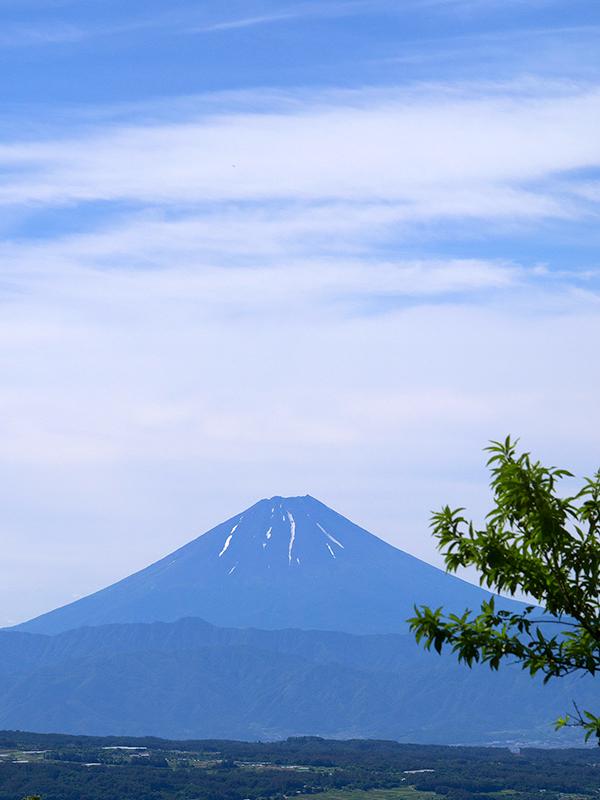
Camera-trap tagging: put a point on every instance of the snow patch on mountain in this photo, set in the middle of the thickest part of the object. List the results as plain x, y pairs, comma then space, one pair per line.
226, 544
329, 536
292, 537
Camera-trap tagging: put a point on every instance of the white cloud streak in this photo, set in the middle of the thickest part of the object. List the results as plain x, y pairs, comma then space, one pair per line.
408, 152
290, 12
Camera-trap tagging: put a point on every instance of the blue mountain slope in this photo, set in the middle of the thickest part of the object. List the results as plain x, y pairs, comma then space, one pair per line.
283, 563
190, 679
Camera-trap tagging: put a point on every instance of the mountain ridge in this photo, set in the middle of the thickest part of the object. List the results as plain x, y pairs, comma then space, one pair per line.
189, 679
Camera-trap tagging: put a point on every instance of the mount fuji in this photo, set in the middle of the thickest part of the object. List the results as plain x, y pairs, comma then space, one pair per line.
283, 563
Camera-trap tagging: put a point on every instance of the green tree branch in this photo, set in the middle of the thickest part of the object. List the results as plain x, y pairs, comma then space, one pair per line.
537, 543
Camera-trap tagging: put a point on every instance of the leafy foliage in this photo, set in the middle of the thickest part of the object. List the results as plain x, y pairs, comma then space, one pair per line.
538, 543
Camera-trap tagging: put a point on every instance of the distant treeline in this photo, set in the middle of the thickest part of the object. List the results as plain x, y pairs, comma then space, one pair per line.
82, 768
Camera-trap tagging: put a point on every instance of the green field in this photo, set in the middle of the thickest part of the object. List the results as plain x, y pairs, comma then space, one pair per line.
402, 793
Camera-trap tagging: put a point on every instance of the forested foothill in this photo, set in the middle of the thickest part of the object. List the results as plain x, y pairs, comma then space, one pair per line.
63, 767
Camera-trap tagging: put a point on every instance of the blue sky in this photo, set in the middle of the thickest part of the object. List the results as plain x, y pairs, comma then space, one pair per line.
285, 248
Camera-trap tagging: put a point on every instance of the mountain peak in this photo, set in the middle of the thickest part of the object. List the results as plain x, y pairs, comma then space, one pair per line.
284, 562
271, 533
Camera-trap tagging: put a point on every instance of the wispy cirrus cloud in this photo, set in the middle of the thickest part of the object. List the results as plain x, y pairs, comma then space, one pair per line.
281, 13
411, 150
27, 35
181, 17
